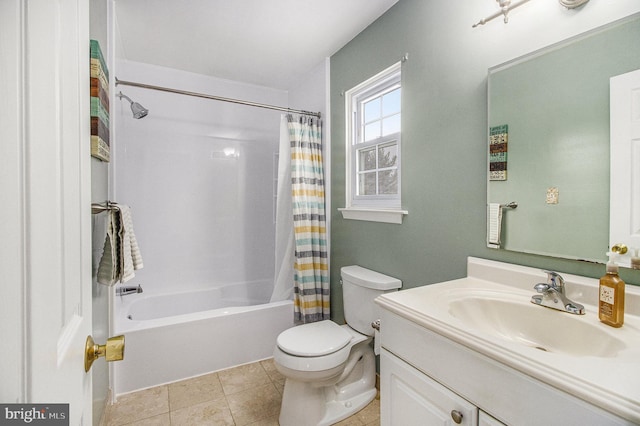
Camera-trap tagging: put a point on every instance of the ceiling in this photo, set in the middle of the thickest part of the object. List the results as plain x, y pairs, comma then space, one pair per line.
269, 43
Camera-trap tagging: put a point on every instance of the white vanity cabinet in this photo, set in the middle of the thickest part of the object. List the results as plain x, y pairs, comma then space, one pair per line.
485, 419
477, 351
409, 397
428, 380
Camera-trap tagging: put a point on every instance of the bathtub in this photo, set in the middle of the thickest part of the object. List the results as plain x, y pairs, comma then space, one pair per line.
171, 337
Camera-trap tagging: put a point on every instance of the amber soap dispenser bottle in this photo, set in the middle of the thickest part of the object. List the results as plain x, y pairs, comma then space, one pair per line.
611, 303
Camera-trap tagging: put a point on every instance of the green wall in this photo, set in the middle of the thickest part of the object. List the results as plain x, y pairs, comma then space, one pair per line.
444, 142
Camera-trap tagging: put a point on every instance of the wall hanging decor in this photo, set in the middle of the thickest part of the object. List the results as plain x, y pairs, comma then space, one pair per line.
498, 138
99, 104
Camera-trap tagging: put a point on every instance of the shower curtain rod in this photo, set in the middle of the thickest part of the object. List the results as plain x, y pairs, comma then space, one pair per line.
215, 98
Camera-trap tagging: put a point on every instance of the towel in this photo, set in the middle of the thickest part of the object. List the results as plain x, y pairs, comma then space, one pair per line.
131, 257
109, 267
494, 227
121, 254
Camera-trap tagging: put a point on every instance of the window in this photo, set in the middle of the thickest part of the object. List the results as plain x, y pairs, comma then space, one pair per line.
375, 147
373, 144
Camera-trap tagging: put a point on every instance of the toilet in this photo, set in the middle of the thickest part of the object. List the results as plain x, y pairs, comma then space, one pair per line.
329, 368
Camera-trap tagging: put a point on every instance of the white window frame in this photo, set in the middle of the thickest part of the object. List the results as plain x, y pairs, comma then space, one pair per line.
378, 208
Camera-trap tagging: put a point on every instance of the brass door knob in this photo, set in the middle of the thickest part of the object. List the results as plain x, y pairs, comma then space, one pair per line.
112, 351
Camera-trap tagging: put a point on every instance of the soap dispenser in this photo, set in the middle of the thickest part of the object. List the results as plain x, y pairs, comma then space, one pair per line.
611, 299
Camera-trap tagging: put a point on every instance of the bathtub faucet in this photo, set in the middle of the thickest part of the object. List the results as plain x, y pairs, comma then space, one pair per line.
123, 291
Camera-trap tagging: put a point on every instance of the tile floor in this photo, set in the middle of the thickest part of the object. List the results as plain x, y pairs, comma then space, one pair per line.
245, 395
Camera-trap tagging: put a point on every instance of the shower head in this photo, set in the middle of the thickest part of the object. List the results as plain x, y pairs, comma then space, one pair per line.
138, 110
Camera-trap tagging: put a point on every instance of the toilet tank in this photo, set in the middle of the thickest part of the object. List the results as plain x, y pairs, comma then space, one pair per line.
360, 286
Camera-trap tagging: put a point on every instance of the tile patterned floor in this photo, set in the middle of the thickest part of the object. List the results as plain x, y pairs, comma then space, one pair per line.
247, 395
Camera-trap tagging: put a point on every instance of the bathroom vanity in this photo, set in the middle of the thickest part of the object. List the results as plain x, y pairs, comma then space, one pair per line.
476, 351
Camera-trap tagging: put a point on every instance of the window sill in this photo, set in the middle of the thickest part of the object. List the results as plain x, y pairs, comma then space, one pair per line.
373, 215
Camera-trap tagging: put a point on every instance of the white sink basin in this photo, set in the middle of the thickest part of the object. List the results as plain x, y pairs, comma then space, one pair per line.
532, 325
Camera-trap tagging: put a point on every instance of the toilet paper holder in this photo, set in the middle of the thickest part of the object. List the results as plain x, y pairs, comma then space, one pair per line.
376, 324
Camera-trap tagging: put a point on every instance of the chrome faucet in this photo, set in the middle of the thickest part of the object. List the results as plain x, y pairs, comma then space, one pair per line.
124, 290
553, 295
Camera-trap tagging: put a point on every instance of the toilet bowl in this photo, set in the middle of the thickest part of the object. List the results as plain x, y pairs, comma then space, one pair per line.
324, 389
330, 368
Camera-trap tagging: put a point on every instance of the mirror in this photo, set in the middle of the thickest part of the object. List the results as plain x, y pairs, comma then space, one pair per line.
553, 106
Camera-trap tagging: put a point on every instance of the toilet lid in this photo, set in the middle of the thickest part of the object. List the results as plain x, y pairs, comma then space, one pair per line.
314, 339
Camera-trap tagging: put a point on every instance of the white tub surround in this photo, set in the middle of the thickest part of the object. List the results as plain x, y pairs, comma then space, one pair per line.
199, 176
464, 334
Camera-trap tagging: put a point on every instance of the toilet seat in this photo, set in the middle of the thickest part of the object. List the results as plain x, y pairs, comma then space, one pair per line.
314, 339
321, 362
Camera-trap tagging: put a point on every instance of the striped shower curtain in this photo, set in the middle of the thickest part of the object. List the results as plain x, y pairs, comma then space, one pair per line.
311, 275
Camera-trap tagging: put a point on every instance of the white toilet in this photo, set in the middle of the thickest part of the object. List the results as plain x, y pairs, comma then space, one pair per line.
329, 368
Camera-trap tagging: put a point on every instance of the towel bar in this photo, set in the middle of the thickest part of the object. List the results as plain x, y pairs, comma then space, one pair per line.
101, 207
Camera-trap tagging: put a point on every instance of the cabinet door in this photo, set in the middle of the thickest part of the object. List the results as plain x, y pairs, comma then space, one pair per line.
409, 397
487, 420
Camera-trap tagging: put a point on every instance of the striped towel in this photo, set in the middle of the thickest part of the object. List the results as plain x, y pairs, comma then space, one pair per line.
121, 255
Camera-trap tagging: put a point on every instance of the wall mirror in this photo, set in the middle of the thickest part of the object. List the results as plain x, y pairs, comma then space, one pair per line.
554, 106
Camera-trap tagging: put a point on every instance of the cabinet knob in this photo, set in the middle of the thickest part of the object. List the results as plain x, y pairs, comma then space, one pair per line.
456, 416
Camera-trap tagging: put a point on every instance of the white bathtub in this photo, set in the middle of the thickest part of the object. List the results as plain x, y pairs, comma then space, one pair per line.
176, 336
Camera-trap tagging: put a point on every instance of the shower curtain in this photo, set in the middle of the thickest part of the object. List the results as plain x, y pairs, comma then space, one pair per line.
285, 247
310, 267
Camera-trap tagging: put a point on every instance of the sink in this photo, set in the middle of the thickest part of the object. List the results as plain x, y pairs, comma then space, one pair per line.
509, 318
489, 313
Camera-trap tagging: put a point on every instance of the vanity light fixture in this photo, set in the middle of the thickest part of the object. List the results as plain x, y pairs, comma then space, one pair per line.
507, 5
572, 4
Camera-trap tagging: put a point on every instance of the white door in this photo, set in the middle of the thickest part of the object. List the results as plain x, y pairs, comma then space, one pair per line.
45, 184
625, 161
